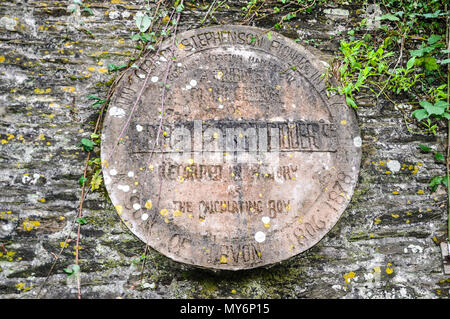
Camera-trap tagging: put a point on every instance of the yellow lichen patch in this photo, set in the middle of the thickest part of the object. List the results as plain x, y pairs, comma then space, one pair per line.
119, 209
165, 19
2, 59
387, 172
389, 271
395, 192
233, 291
181, 46
177, 213
377, 221
223, 259
30, 224
63, 244
148, 205
21, 286
164, 212
377, 269
102, 70
343, 122
420, 192
69, 89
42, 200
3, 141
349, 276
42, 91
395, 215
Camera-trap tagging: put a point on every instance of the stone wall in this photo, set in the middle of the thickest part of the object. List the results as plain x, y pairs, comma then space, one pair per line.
51, 60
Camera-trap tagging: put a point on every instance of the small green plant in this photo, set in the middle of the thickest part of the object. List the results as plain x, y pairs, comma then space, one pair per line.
439, 157
87, 144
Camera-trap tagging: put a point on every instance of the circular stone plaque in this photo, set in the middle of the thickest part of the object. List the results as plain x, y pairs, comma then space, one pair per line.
223, 150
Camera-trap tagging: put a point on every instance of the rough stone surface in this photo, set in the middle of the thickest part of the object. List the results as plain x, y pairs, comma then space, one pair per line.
51, 60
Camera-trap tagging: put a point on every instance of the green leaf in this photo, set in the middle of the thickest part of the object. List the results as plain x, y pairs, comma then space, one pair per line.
351, 102
430, 63
389, 17
82, 221
269, 36
96, 180
99, 102
87, 144
420, 114
446, 61
435, 182
432, 109
72, 270
180, 7
441, 104
113, 67
424, 148
143, 22
439, 157
431, 15
88, 10
410, 63
82, 180
433, 39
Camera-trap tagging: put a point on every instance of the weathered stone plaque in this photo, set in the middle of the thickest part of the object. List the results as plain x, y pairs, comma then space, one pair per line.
223, 150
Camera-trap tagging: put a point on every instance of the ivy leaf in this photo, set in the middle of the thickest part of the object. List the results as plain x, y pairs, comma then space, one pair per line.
439, 157
420, 114
410, 63
389, 17
433, 39
82, 221
96, 181
82, 180
435, 182
446, 61
114, 68
432, 109
143, 22
430, 63
87, 144
424, 148
72, 270
431, 15
351, 102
